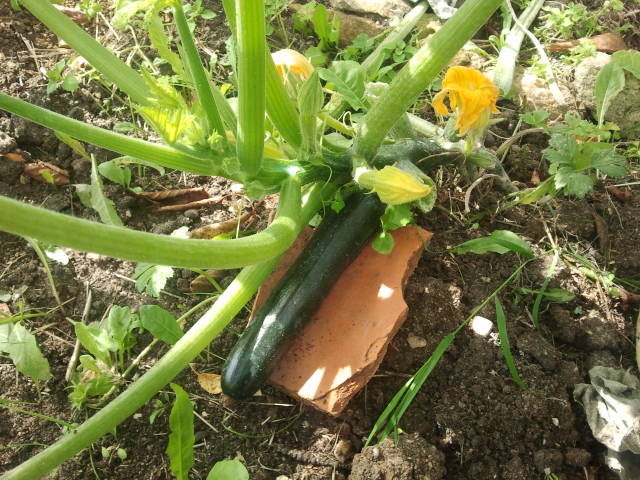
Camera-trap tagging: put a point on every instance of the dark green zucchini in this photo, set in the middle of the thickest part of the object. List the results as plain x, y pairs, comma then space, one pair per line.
335, 244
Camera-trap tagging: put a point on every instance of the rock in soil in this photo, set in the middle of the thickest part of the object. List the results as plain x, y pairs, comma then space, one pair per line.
384, 8
412, 459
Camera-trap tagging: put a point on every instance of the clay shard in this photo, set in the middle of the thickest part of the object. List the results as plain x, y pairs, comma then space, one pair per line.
340, 349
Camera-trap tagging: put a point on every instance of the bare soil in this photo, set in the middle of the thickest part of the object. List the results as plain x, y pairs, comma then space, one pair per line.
470, 420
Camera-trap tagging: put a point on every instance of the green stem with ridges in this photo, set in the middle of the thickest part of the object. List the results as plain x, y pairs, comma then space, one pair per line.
198, 73
67, 231
113, 69
159, 154
196, 339
250, 46
419, 72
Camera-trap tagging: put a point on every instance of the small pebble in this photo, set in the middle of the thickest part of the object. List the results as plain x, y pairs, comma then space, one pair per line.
481, 326
416, 342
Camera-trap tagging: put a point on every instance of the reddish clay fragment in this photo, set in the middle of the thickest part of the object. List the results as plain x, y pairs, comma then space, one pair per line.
340, 349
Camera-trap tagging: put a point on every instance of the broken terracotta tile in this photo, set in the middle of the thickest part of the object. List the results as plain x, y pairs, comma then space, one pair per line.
340, 349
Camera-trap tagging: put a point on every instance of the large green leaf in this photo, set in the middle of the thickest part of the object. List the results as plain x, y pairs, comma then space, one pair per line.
500, 241
609, 83
228, 470
160, 323
181, 438
348, 79
22, 348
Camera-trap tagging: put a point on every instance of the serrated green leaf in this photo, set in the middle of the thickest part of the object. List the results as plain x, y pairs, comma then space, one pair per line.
181, 438
610, 163
127, 9
573, 183
160, 323
23, 350
500, 241
609, 83
159, 39
228, 470
151, 279
396, 216
348, 79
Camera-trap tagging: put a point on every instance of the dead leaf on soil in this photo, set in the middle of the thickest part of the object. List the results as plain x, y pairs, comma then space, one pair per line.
201, 284
74, 14
621, 194
4, 310
535, 178
215, 229
14, 157
178, 200
210, 382
606, 42
46, 173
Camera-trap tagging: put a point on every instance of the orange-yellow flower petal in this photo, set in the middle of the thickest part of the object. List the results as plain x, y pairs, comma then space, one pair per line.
471, 94
288, 60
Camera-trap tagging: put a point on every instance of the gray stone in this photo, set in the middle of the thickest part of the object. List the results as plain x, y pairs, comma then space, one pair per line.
384, 8
624, 110
353, 25
7, 143
534, 94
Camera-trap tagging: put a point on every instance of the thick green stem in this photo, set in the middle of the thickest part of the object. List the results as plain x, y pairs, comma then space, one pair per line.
506, 64
64, 230
419, 72
113, 69
198, 73
184, 351
134, 147
250, 45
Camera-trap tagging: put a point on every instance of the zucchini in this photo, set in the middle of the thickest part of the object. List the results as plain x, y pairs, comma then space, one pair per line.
335, 244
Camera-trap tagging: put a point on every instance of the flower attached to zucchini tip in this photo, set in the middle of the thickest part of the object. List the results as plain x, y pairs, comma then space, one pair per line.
393, 185
290, 61
472, 96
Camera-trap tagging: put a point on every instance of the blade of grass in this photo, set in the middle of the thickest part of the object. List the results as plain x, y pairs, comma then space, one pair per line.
501, 320
535, 312
388, 421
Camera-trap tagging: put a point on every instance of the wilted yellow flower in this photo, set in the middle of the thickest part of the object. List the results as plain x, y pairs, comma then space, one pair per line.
393, 185
288, 60
471, 94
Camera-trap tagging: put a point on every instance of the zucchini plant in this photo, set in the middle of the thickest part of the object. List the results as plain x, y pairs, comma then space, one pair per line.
206, 136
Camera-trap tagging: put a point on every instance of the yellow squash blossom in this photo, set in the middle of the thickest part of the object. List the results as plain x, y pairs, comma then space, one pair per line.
288, 60
393, 185
471, 94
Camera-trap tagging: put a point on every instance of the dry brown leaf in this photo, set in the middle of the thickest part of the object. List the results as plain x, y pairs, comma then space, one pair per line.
606, 42
210, 231
201, 284
4, 310
210, 382
14, 157
177, 200
74, 14
535, 178
46, 173
621, 194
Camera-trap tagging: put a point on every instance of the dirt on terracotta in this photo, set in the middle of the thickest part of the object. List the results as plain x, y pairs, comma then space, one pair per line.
470, 421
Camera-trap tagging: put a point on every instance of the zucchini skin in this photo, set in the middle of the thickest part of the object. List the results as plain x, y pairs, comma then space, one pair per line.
335, 244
